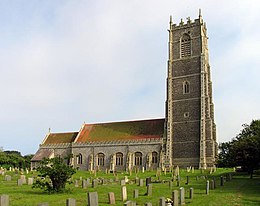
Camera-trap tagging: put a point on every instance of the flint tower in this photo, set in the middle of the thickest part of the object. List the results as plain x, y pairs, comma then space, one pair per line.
190, 137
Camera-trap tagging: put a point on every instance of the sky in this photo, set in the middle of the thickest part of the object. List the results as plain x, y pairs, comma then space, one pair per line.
63, 63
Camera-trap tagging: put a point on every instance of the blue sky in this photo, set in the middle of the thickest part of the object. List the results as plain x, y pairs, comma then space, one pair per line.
64, 63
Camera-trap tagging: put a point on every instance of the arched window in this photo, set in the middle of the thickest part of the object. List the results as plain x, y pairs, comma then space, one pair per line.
79, 159
185, 45
154, 157
119, 158
186, 87
138, 158
101, 159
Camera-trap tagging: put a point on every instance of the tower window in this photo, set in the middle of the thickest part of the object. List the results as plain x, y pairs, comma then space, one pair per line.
186, 87
185, 45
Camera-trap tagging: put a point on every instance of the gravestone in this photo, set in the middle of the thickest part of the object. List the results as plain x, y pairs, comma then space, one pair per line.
170, 184
111, 198
4, 200
92, 199
207, 187
142, 169
148, 181
212, 185
122, 182
162, 201
84, 184
136, 180
182, 196
19, 182
43, 204
221, 181
141, 182
70, 202
175, 197
130, 203
124, 193
136, 193
94, 183
187, 180
8, 178
149, 189
191, 193
23, 178
76, 183
148, 204
30, 180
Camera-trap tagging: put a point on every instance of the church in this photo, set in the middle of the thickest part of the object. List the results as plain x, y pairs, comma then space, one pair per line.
185, 137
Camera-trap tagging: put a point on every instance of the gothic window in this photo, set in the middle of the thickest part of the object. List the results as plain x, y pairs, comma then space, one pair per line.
185, 45
79, 159
154, 157
101, 159
138, 159
119, 158
186, 87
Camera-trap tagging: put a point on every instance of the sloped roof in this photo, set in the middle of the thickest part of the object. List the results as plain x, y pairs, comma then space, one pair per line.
57, 138
130, 130
42, 153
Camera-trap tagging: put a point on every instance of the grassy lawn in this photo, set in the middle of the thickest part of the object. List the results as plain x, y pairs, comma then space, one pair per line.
240, 191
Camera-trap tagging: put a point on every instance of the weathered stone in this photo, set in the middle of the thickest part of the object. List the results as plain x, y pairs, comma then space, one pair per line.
8, 178
111, 198
162, 201
84, 184
191, 193
19, 182
207, 187
94, 183
76, 183
4, 200
23, 178
70, 202
136, 193
149, 189
30, 180
141, 182
123, 193
175, 197
92, 199
148, 181
182, 196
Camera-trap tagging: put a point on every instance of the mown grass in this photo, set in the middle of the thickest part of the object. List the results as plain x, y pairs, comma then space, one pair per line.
240, 191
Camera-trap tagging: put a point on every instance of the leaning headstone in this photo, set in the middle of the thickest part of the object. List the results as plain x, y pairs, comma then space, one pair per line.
141, 182
191, 193
124, 193
30, 180
70, 202
111, 198
43, 204
175, 197
4, 200
148, 204
148, 181
182, 196
92, 199
162, 201
136, 193
149, 189
207, 187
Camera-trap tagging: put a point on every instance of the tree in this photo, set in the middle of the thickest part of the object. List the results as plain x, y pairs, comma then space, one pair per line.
54, 174
244, 150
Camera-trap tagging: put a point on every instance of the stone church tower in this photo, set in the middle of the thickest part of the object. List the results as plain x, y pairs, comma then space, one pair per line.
190, 137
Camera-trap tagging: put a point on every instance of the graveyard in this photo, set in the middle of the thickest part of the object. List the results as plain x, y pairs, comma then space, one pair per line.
214, 186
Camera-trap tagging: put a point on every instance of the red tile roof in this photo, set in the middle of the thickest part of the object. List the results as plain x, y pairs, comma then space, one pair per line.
57, 138
131, 130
